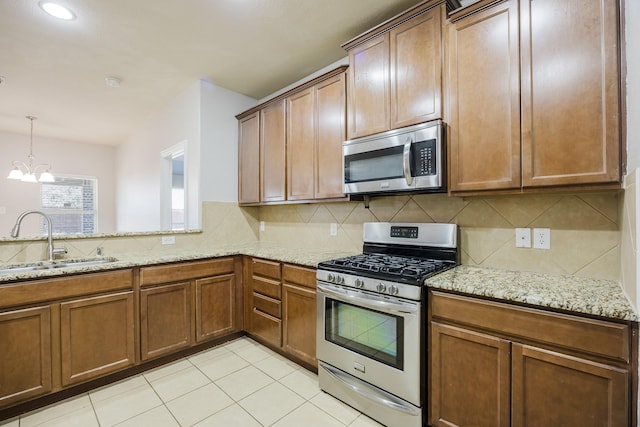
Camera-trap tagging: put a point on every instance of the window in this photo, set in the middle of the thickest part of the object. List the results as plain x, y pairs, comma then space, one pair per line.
71, 203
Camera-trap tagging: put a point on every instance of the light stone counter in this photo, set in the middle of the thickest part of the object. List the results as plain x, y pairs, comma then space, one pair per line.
576, 294
305, 257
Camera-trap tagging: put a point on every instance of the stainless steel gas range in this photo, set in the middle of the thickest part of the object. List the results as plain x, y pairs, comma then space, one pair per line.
371, 329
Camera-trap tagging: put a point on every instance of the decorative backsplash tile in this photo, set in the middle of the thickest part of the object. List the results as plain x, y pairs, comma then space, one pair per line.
585, 230
585, 236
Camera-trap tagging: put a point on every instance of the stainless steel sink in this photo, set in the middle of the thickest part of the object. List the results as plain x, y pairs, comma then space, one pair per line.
24, 268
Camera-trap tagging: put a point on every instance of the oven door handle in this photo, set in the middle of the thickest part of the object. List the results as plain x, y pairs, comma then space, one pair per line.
377, 396
362, 299
406, 160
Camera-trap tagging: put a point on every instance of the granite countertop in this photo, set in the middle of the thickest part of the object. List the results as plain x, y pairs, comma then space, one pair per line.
300, 256
597, 297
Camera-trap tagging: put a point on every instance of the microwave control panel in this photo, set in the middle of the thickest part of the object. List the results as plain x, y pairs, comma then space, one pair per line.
424, 158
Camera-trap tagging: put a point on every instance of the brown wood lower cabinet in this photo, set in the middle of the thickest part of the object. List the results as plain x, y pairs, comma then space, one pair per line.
299, 313
555, 389
494, 364
182, 304
25, 355
215, 307
165, 319
473, 368
96, 336
281, 307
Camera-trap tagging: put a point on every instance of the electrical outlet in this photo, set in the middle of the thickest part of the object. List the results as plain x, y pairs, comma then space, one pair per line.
168, 240
542, 238
523, 237
333, 229
261, 225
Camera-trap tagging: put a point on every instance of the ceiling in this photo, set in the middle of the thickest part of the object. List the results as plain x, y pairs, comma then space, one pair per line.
56, 70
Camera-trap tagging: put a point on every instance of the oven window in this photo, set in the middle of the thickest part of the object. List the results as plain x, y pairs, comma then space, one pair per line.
370, 333
374, 165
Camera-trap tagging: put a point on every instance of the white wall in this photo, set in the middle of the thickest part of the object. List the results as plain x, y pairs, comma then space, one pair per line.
66, 158
219, 141
139, 161
630, 207
203, 115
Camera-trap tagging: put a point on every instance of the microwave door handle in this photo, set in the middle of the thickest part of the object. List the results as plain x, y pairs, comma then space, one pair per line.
406, 160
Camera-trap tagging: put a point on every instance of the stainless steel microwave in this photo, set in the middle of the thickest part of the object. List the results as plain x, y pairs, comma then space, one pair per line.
407, 159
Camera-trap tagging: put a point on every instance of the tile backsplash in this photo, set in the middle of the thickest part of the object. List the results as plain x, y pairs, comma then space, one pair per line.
585, 236
585, 230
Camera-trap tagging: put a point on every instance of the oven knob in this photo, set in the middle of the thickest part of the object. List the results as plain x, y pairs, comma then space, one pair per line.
393, 290
359, 283
331, 278
381, 287
340, 280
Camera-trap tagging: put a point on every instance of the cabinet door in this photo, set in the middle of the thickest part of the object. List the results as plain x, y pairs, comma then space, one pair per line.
484, 100
215, 307
570, 92
25, 358
369, 87
553, 389
299, 322
96, 336
470, 378
165, 319
249, 159
272, 152
330, 100
300, 145
416, 70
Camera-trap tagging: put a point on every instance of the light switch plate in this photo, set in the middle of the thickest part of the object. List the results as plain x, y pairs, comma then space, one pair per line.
523, 237
333, 229
261, 225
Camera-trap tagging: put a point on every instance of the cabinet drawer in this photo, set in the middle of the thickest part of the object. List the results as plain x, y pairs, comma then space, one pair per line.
267, 305
266, 327
266, 287
185, 271
265, 268
592, 336
29, 292
299, 275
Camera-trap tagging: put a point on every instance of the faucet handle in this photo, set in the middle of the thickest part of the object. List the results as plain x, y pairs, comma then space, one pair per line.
60, 251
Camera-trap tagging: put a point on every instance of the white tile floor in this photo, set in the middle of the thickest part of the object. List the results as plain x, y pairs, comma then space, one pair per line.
240, 383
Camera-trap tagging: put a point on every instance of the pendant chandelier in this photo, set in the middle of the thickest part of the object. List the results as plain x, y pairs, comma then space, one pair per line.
26, 172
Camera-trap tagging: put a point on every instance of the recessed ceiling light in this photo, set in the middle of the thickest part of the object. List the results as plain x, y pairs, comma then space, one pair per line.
57, 10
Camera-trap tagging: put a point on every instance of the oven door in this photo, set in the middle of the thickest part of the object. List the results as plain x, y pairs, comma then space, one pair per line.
372, 337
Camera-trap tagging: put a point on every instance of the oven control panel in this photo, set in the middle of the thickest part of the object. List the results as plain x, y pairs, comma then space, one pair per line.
404, 232
376, 286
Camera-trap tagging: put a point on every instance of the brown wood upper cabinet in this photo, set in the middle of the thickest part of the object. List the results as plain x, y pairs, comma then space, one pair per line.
533, 95
297, 138
395, 72
315, 133
272, 152
249, 159
493, 364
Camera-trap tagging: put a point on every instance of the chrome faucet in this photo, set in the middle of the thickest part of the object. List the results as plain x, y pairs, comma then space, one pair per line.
15, 231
